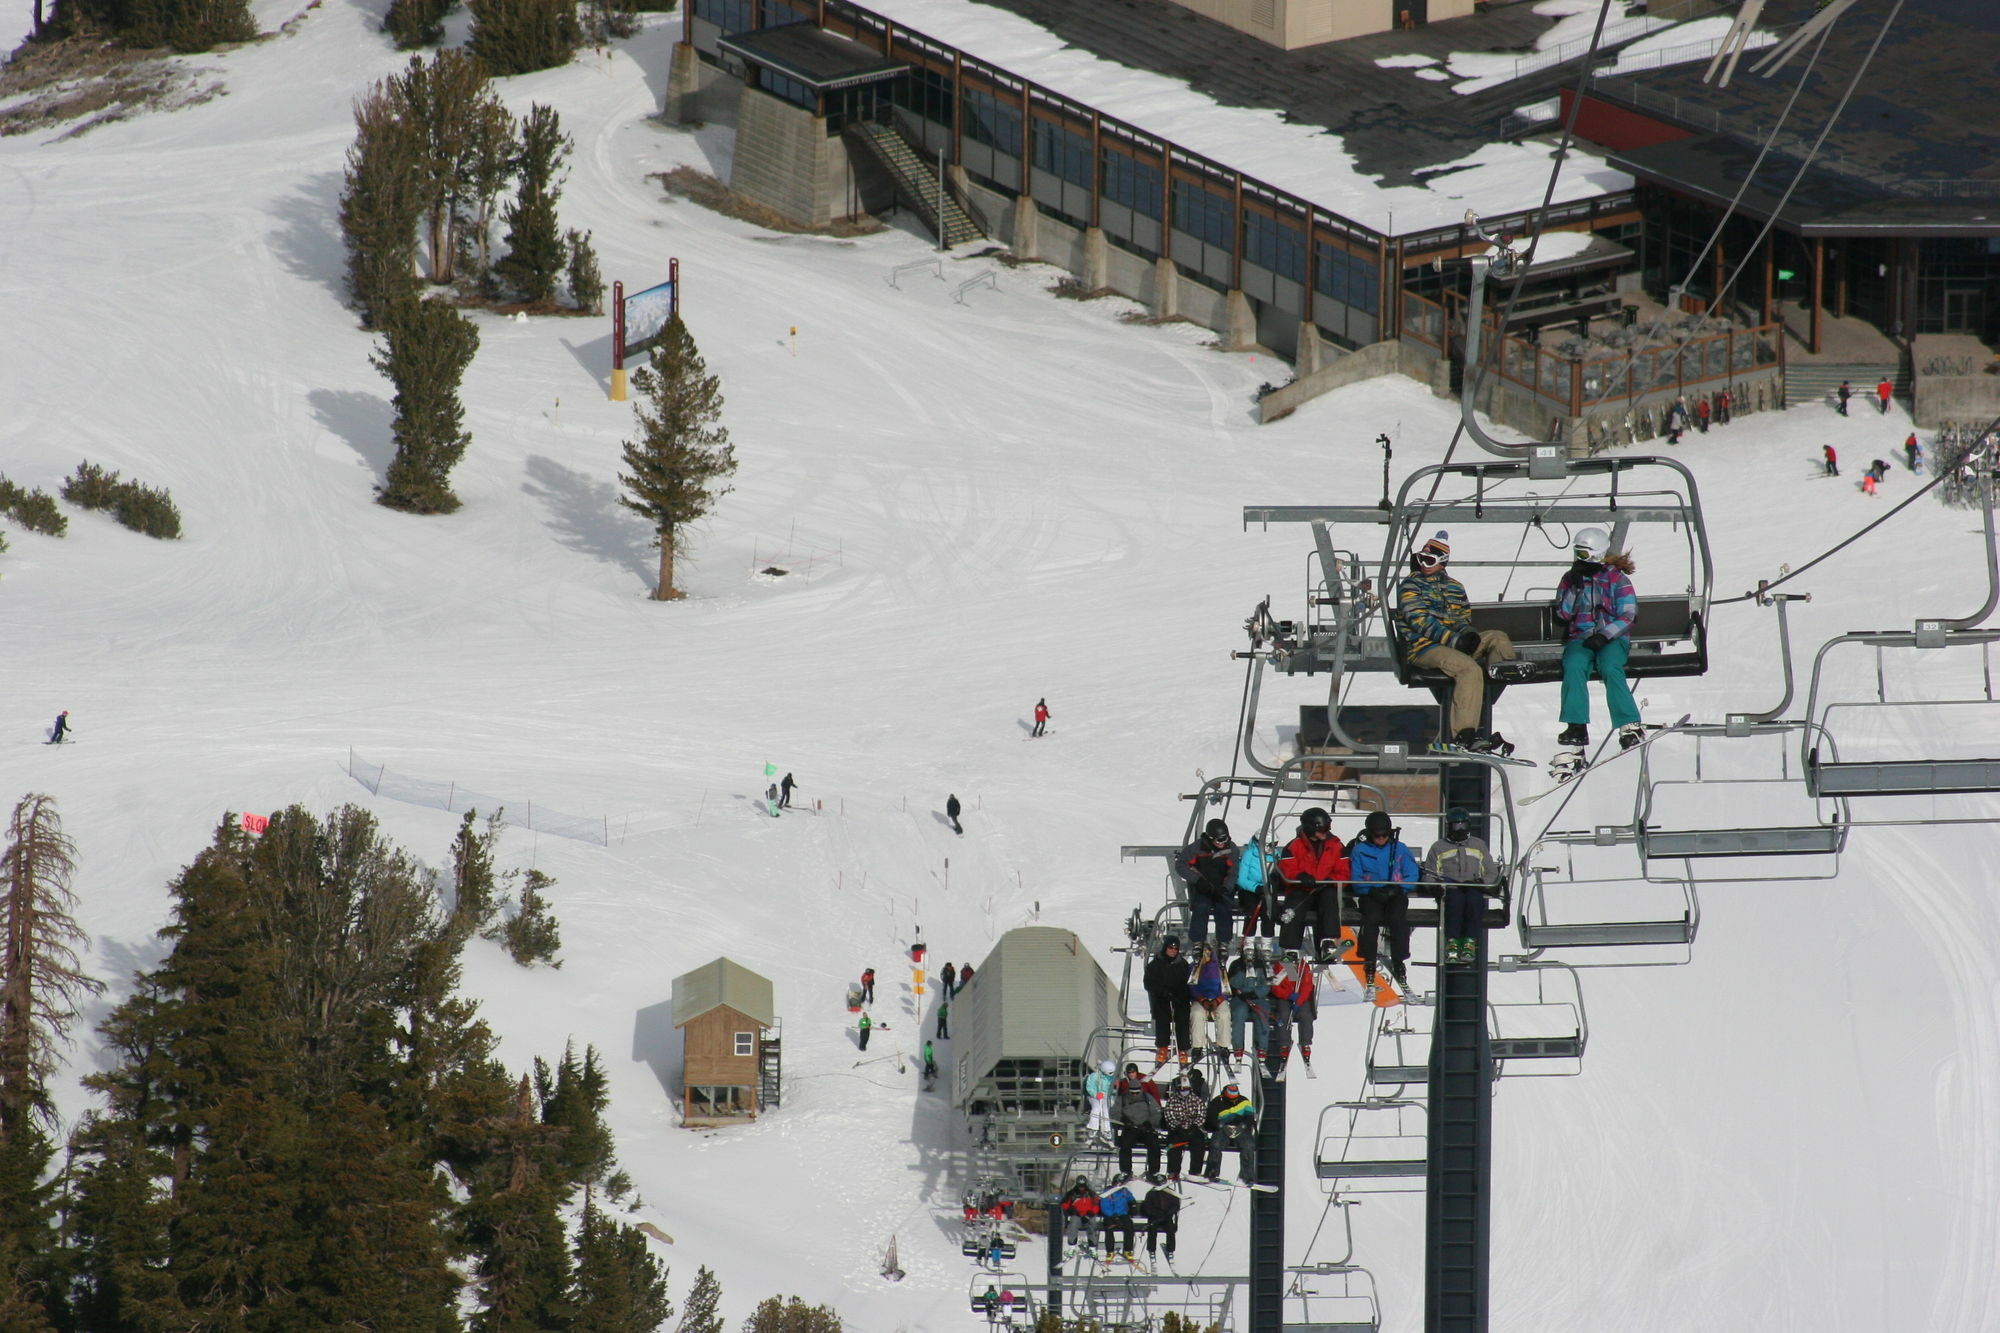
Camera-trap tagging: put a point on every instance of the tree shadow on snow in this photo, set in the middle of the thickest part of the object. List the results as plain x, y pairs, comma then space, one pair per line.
363, 420
306, 239
584, 515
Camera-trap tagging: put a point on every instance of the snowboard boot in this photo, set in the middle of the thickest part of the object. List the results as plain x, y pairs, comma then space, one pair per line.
1567, 764
1160, 1058
1630, 735
1576, 735
1367, 980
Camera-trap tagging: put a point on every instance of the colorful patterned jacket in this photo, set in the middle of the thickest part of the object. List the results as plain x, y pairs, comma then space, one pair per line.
1600, 603
1433, 610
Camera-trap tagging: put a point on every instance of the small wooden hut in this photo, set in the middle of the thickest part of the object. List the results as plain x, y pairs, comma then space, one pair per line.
730, 1050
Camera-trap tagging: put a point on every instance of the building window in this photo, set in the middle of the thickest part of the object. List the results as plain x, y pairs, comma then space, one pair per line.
1130, 182
729, 15
1062, 152
790, 89
992, 122
1348, 279
926, 93
746, 1043
1205, 214
1275, 245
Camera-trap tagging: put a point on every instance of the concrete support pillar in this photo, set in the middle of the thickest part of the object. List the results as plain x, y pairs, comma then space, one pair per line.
1576, 436
1311, 355
1441, 377
1026, 218
1166, 289
1096, 273
683, 86
1242, 332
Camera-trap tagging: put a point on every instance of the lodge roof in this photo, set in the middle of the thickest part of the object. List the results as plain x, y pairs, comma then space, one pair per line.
723, 982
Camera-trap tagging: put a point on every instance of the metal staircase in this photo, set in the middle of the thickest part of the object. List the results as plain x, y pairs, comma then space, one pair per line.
917, 184
1815, 382
770, 1059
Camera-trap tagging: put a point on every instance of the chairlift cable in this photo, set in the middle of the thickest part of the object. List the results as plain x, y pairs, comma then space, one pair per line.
1918, 494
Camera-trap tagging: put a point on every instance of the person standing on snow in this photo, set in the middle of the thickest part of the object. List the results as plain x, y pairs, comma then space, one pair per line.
930, 1065
944, 1019
1702, 412
1041, 717
1914, 452
1167, 990
1846, 391
785, 792
1832, 460
866, 1025
1596, 603
1883, 393
1312, 870
1436, 621
1208, 869
1097, 1086
61, 728
867, 985
964, 978
948, 978
951, 809
1384, 870
1464, 865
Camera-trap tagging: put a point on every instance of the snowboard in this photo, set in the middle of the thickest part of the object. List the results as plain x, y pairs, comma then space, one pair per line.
1350, 954
1653, 732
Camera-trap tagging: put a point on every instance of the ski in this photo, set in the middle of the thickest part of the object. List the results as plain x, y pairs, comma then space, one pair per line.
1260, 1188
1654, 730
1436, 748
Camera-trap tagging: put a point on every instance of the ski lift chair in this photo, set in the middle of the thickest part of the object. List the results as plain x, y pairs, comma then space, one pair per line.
1332, 1298
1719, 851
1012, 1285
1373, 1146
1669, 636
1641, 915
1973, 715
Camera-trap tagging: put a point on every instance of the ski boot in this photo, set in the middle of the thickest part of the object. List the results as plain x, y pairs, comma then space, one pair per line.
1402, 977
1574, 736
1630, 735
1160, 1055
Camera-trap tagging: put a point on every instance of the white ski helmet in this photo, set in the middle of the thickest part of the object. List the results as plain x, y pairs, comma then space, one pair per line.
1593, 544
1108, 1067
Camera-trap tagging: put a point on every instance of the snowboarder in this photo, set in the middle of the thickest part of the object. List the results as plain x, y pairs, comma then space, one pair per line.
1384, 869
1464, 864
1167, 990
1232, 1123
1210, 1027
1295, 995
1596, 603
866, 1025
1041, 717
1184, 1109
1312, 871
1436, 621
948, 978
944, 1019
1249, 978
1883, 393
1115, 1215
1097, 1085
951, 809
867, 985
61, 728
1136, 1113
1846, 391
785, 792
1914, 452
930, 1067
1162, 1210
1832, 460
1208, 868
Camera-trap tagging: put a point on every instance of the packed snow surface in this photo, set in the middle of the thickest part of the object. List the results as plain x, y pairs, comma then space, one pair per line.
975, 504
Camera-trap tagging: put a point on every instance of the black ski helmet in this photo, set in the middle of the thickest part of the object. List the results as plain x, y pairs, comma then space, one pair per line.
1377, 822
1316, 820
1217, 830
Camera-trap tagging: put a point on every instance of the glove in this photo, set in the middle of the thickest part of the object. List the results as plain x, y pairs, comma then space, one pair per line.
1285, 917
1468, 642
1595, 641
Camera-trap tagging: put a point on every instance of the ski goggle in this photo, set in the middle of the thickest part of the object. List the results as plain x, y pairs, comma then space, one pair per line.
1430, 559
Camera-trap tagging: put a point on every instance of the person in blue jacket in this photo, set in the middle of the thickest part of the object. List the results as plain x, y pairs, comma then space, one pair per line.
1116, 1209
1383, 869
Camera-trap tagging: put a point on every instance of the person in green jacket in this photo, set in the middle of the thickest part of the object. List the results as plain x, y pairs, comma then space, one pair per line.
1437, 632
866, 1024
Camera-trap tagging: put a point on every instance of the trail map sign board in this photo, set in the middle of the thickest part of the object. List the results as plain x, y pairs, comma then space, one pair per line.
638, 320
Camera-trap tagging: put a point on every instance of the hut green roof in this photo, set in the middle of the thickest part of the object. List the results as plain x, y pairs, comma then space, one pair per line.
723, 982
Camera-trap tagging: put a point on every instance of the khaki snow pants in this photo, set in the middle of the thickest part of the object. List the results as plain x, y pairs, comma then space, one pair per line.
1468, 674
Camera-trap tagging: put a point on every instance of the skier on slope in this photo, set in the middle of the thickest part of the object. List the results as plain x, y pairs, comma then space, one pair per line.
1166, 980
1846, 391
60, 729
1464, 864
1207, 867
1312, 870
1436, 621
951, 811
1041, 717
1914, 452
1097, 1085
785, 792
1832, 460
867, 985
1596, 604
1384, 870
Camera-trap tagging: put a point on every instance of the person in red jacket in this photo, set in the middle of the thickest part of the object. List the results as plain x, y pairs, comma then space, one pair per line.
1041, 717
1310, 873
1294, 1001
1079, 1206
1883, 393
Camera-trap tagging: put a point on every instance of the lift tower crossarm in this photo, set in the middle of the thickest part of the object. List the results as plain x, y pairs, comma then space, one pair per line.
1510, 511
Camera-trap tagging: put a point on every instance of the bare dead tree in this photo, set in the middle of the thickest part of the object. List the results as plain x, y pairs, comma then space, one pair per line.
41, 977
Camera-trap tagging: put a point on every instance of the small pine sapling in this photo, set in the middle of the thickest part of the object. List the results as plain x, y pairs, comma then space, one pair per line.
535, 254
426, 348
586, 283
532, 934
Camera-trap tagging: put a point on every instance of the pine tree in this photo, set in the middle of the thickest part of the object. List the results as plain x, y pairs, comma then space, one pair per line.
426, 348
33, 1265
417, 22
380, 206
620, 1286
521, 36
453, 107
586, 283
535, 251
472, 877
791, 1316
698, 1314
532, 934
514, 1227
41, 981
185, 25
573, 1100
683, 451
487, 167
